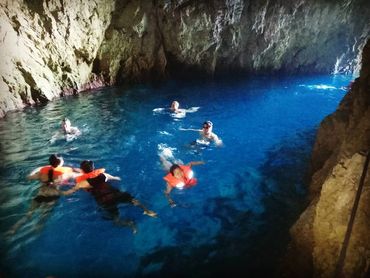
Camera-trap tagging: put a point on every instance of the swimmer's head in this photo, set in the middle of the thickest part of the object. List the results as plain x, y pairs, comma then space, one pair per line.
207, 125
55, 161
175, 105
87, 166
173, 168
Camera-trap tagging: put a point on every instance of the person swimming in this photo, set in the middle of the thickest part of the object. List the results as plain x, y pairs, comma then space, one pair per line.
178, 112
179, 176
68, 129
68, 132
175, 107
51, 176
175, 110
95, 181
206, 134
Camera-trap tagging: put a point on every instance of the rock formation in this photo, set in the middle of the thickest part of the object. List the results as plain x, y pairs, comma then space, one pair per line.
337, 162
57, 47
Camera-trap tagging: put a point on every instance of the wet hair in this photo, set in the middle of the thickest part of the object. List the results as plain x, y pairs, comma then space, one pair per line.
173, 168
50, 176
87, 166
208, 123
54, 160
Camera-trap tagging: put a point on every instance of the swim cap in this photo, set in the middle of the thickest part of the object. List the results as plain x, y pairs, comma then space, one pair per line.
54, 160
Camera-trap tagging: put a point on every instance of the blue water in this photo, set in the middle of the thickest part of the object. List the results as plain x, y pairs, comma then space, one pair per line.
236, 220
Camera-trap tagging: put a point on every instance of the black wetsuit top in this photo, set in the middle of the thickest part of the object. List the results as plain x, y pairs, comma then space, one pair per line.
106, 195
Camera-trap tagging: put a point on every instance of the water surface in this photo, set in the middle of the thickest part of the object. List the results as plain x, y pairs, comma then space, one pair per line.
236, 220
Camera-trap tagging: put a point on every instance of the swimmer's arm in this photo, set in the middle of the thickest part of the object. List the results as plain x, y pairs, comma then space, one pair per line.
193, 163
217, 140
73, 174
148, 212
77, 170
167, 194
76, 131
35, 174
110, 177
80, 185
190, 129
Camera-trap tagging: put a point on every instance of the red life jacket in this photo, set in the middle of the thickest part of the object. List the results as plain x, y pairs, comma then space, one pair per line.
186, 181
57, 171
90, 175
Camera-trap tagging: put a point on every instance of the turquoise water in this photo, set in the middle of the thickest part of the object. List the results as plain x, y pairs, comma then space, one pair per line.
236, 220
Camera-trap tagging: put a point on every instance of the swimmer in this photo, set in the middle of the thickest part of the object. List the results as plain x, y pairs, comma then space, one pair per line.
69, 132
51, 177
175, 107
179, 176
206, 134
176, 111
180, 112
106, 196
68, 129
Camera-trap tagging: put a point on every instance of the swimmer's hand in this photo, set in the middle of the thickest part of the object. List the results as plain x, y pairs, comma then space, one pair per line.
172, 203
150, 213
113, 178
219, 143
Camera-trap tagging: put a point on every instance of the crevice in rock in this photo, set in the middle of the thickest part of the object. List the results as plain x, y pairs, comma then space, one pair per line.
16, 24
36, 94
35, 6
83, 55
96, 66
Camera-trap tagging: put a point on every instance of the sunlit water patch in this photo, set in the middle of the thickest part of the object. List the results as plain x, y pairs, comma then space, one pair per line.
249, 192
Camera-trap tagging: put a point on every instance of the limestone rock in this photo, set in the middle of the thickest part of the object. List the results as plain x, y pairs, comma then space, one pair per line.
47, 48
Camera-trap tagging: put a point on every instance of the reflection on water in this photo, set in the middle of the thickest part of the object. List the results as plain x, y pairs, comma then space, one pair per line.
236, 220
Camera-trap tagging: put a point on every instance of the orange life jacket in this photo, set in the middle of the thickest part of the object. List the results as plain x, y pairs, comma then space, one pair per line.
57, 171
186, 181
90, 175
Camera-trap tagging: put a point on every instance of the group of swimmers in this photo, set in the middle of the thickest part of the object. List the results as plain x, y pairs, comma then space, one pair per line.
96, 181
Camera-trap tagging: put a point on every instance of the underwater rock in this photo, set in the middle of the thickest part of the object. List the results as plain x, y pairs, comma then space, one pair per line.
53, 48
337, 164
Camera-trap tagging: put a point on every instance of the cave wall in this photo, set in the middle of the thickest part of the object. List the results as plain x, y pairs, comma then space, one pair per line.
338, 159
47, 48
50, 48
